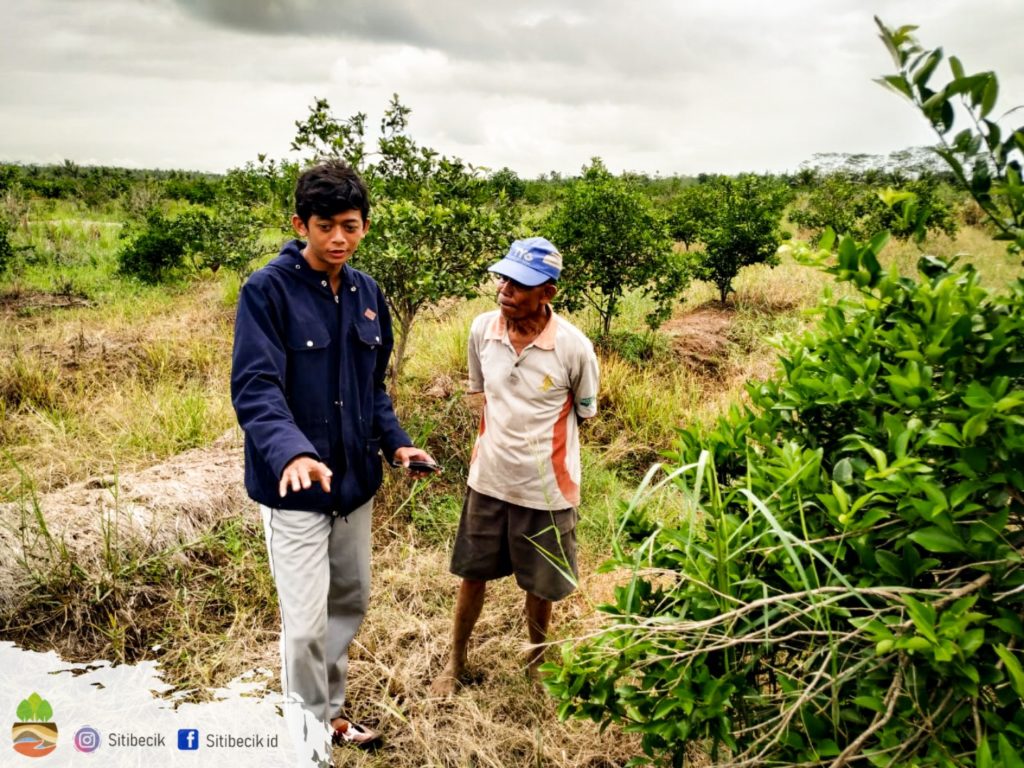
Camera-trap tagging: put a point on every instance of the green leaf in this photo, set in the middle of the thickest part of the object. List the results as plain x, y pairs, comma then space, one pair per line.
842, 472
983, 757
890, 564
934, 539
1008, 755
971, 640
916, 644
925, 71
923, 616
874, 703
990, 94
975, 427
1013, 669
899, 84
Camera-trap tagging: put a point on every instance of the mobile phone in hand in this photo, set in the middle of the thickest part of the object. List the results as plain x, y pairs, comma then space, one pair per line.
415, 465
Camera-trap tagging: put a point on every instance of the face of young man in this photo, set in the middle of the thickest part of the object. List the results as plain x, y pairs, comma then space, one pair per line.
330, 242
519, 302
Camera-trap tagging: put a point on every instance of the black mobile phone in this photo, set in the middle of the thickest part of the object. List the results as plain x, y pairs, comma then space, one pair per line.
415, 465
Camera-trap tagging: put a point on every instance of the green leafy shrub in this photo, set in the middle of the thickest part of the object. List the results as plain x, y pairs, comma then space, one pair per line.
850, 585
612, 240
162, 249
6, 249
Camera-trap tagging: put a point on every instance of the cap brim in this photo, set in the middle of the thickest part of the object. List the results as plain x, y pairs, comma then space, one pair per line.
519, 272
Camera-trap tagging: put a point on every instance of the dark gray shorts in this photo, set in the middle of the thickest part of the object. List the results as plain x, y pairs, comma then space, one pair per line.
497, 538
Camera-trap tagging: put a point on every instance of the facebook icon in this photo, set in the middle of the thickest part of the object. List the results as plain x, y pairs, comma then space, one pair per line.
188, 738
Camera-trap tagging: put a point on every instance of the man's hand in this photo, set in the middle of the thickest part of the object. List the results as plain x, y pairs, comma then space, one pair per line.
300, 474
411, 453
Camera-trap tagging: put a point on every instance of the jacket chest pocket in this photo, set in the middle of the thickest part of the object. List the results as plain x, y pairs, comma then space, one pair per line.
308, 382
368, 333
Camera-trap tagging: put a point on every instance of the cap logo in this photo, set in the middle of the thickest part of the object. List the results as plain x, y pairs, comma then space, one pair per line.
554, 260
521, 254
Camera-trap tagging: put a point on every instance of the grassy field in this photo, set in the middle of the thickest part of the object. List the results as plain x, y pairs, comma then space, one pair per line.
112, 393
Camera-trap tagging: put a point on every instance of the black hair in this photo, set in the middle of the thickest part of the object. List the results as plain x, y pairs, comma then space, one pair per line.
330, 188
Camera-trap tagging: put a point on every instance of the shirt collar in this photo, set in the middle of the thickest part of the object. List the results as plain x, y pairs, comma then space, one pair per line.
545, 339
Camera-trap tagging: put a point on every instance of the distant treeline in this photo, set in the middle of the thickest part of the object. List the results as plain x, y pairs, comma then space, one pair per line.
97, 185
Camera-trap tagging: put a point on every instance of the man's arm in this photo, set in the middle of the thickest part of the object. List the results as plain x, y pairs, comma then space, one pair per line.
258, 366
392, 436
584, 381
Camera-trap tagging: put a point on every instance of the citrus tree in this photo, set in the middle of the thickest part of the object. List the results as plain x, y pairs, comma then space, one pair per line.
848, 205
437, 222
741, 228
612, 241
984, 154
689, 211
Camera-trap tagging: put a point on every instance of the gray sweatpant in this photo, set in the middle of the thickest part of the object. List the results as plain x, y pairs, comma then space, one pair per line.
321, 568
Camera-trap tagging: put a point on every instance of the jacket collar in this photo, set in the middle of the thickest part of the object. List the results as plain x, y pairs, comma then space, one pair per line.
291, 262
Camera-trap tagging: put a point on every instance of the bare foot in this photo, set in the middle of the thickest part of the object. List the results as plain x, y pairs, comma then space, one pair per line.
446, 683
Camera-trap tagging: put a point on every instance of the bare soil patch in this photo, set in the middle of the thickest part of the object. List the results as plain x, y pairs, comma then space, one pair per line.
156, 508
700, 338
27, 302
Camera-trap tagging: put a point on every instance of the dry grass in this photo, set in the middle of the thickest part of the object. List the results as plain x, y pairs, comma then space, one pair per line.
97, 390
500, 718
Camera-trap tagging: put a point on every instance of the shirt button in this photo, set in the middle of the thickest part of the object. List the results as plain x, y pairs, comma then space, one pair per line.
377, 338
353, 289
309, 343
323, 283
298, 266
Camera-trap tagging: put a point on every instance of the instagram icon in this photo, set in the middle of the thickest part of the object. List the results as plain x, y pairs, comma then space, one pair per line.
87, 739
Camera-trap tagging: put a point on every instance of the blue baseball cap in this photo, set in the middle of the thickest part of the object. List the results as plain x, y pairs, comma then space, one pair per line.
531, 262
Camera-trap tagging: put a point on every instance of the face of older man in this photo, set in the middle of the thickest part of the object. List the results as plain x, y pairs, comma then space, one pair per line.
521, 302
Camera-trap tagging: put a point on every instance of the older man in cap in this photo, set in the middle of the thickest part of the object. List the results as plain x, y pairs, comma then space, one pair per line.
539, 376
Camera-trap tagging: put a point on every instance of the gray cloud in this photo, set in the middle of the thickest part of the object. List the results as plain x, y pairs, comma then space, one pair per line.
675, 86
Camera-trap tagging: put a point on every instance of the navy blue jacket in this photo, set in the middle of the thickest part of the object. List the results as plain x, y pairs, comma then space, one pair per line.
307, 378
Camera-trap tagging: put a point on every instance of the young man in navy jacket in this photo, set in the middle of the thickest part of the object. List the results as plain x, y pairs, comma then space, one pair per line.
312, 343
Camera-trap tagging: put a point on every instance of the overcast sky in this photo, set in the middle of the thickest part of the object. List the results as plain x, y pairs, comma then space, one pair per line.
660, 86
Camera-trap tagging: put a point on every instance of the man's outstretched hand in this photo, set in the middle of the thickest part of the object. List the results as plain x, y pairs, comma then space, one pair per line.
411, 453
302, 472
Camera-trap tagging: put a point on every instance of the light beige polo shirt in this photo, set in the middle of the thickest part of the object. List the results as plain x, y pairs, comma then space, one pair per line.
527, 450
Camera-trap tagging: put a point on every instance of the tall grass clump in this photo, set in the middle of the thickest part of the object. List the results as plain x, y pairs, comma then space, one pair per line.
640, 410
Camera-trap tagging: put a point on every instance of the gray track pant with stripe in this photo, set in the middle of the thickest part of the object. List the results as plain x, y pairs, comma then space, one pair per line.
321, 568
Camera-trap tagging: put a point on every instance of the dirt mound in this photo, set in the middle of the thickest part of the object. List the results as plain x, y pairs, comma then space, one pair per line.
160, 506
701, 338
